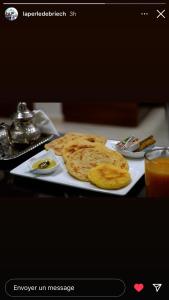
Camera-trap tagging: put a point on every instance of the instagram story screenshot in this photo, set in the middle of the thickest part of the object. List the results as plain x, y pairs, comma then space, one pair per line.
84, 150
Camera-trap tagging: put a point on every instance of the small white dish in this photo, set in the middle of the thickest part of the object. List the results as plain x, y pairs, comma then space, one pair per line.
49, 156
130, 154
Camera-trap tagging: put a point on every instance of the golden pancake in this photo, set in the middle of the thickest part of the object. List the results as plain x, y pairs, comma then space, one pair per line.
108, 176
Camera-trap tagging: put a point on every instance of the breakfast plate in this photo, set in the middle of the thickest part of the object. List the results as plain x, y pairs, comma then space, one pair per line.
136, 169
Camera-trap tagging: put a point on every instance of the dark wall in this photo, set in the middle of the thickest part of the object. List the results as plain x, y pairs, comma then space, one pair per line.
102, 54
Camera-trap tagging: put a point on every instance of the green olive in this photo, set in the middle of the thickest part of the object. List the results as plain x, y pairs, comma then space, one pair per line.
44, 164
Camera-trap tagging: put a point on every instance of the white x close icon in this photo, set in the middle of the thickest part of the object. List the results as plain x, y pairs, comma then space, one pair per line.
161, 14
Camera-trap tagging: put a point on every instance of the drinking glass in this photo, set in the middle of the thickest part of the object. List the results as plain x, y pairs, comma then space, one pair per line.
157, 172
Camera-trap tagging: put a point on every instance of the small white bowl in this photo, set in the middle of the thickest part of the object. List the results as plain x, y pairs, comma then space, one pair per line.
130, 154
49, 155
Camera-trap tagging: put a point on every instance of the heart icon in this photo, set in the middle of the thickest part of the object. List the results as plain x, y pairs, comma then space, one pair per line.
138, 287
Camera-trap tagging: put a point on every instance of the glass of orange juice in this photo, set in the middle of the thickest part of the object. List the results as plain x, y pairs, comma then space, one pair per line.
157, 172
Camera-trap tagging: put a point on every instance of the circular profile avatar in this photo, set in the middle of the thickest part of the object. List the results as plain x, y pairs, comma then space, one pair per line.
11, 14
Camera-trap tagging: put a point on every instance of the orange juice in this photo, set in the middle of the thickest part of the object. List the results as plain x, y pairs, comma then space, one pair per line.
157, 177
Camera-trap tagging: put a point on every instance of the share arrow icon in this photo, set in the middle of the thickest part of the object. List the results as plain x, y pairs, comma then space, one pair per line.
157, 286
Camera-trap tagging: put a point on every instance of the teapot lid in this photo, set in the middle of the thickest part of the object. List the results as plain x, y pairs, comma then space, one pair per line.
23, 112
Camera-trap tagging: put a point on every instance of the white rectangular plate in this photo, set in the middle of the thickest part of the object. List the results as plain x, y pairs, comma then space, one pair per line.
136, 168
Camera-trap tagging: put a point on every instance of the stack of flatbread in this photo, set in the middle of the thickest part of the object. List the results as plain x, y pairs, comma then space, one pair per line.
85, 152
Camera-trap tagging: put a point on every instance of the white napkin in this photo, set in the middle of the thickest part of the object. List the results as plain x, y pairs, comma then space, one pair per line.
43, 122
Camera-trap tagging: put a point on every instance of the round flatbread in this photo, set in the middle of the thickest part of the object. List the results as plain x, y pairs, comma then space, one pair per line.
121, 162
82, 160
76, 145
59, 144
108, 176
56, 145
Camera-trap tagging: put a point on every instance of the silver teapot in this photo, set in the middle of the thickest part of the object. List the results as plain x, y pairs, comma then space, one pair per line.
23, 129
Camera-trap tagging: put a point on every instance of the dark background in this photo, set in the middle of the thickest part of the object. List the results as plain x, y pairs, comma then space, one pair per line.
105, 53
95, 237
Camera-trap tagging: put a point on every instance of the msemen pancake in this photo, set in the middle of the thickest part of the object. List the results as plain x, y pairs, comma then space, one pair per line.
76, 145
82, 160
58, 144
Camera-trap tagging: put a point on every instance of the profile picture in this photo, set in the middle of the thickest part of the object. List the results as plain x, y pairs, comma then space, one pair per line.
11, 14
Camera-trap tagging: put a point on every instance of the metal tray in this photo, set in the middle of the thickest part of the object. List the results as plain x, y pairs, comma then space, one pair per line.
19, 153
